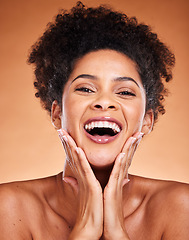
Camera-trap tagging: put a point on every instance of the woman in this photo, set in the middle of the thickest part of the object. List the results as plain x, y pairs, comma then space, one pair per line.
100, 75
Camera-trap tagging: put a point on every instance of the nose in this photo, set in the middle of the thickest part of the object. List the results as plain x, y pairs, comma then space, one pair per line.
104, 103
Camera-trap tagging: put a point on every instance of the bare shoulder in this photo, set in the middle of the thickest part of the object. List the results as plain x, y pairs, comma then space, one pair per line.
18, 202
13, 197
170, 194
169, 201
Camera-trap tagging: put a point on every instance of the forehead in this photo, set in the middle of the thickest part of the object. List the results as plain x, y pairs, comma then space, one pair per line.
106, 64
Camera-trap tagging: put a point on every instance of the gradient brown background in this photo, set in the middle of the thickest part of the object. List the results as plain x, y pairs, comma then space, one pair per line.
30, 147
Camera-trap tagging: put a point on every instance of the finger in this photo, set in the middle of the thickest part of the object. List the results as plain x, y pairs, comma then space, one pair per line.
65, 144
133, 148
115, 174
69, 146
87, 171
130, 141
120, 165
79, 161
74, 158
72, 182
69, 156
64, 136
130, 147
125, 181
63, 132
131, 152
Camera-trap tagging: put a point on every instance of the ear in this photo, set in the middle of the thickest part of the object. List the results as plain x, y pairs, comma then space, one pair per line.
56, 115
148, 122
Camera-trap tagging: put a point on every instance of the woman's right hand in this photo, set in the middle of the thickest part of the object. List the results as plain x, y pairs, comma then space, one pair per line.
89, 221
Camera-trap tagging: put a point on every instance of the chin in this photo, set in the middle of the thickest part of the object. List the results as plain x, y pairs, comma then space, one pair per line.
101, 159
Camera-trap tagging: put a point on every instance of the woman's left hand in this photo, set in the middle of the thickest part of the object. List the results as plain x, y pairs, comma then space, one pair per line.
114, 227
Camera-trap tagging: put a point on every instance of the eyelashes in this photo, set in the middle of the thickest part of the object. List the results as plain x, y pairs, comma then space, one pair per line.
86, 90
126, 93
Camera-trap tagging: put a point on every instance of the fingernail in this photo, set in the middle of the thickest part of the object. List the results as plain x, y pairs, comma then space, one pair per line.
133, 140
77, 150
60, 132
65, 138
125, 181
140, 137
138, 141
64, 179
141, 134
122, 155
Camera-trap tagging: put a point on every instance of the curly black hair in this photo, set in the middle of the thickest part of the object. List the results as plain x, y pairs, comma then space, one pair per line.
82, 30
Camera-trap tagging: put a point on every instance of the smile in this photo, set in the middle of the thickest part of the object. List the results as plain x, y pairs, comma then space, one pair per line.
102, 129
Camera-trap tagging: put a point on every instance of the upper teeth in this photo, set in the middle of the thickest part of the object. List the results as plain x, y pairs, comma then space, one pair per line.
103, 124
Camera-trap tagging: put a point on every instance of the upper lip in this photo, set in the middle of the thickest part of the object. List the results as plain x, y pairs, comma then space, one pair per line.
106, 118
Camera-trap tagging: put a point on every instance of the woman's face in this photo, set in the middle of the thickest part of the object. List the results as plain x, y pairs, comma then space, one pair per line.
103, 104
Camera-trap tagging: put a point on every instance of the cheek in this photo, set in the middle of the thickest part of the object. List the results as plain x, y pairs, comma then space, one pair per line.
68, 120
134, 114
67, 112
136, 122
72, 110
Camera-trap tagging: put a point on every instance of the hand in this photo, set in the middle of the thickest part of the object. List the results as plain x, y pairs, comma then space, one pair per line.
89, 221
114, 227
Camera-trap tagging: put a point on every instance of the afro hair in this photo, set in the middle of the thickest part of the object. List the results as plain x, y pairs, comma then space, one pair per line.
81, 30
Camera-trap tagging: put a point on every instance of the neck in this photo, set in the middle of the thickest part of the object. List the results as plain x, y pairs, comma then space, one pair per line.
102, 175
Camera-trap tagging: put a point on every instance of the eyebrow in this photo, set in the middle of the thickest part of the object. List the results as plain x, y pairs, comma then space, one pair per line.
85, 76
126, 79
92, 77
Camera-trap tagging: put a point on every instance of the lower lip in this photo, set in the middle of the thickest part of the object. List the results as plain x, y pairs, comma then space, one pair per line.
101, 139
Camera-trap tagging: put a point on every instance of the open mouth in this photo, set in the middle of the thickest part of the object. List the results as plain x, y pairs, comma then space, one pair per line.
102, 131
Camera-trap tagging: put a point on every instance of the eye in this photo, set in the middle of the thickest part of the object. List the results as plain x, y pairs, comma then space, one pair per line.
126, 93
84, 90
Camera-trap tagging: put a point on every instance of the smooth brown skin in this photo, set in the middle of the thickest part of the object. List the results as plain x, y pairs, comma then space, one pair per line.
46, 209
98, 202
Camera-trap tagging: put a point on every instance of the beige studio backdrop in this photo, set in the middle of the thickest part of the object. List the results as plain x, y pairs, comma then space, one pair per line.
30, 147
